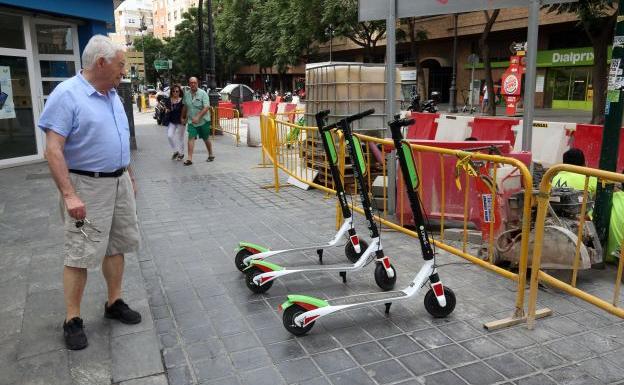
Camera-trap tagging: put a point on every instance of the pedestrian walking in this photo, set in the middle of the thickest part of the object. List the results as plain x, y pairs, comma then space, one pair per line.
197, 116
88, 153
175, 128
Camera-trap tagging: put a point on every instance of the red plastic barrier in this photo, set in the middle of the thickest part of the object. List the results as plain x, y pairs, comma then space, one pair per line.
588, 137
290, 107
424, 127
253, 108
430, 177
273, 108
494, 129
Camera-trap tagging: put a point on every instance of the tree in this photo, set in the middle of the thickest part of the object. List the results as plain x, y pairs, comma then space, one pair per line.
182, 48
598, 18
152, 49
343, 15
232, 34
414, 34
485, 56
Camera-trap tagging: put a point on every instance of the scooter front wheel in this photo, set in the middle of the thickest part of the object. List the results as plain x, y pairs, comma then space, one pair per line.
288, 319
434, 308
250, 274
350, 252
239, 260
382, 279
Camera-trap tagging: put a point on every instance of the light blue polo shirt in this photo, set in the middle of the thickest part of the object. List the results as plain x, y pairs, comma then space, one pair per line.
95, 126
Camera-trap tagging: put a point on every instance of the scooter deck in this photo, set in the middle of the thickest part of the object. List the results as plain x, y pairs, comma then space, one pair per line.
370, 297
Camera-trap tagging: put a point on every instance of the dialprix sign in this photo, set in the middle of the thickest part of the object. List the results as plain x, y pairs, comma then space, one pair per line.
570, 57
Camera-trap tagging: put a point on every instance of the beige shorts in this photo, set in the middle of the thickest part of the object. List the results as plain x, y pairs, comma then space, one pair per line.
111, 209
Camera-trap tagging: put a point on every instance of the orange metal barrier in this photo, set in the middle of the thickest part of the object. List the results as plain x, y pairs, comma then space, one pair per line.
226, 120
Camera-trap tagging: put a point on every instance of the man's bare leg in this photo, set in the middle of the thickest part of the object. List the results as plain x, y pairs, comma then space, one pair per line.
191, 147
208, 146
112, 269
74, 282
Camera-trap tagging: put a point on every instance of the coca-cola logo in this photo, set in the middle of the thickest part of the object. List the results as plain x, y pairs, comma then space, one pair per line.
511, 84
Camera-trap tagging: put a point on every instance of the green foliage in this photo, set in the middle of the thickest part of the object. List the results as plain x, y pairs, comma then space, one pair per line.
343, 15
152, 49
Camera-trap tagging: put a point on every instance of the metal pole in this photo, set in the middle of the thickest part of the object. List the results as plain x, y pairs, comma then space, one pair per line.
471, 97
211, 46
200, 38
531, 73
453, 89
390, 97
611, 135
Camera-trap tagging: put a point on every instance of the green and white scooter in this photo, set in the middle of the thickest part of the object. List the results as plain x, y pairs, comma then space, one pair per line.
354, 248
300, 312
261, 274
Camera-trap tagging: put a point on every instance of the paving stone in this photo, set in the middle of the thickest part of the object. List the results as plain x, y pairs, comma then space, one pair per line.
198, 334
334, 361
135, 355
572, 375
316, 343
213, 368
512, 339
400, 345
540, 357
173, 357
160, 379
453, 355
385, 372
250, 359
240, 341
351, 377
53, 367
537, 379
421, 363
350, 336
263, 376
298, 370
459, 331
446, 377
602, 369
510, 365
287, 350
210, 348
180, 376
223, 381
478, 374
483, 347
431, 338
570, 349
368, 352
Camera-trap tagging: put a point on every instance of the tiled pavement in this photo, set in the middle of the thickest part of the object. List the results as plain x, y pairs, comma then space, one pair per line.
211, 330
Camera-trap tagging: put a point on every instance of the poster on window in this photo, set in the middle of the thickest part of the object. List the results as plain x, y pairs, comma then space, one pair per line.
7, 109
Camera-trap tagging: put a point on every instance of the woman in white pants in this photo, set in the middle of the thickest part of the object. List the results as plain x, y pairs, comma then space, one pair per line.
175, 128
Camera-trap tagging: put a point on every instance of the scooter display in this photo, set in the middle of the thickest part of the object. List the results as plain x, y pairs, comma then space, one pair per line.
259, 275
300, 312
354, 248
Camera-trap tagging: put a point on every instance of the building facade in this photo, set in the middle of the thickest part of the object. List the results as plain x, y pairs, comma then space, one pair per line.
40, 46
133, 20
168, 14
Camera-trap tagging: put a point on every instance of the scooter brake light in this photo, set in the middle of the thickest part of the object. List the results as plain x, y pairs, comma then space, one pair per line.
355, 241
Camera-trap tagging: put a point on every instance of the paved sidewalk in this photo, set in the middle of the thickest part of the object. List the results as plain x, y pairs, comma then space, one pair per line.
212, 330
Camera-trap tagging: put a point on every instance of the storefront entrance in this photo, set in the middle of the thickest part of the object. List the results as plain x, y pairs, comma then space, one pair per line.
570, 88
35, 56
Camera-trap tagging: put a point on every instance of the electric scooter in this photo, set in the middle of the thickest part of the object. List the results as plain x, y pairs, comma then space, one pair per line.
259, 275
354, 248
301, 312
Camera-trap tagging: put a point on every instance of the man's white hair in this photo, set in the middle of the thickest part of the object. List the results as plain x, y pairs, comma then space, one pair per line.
97, 47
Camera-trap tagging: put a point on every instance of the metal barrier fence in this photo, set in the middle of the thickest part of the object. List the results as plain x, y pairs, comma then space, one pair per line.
295, 150
226, 120
537, 274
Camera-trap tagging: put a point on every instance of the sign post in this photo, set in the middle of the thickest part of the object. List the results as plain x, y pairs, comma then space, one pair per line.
611, 130
390, 96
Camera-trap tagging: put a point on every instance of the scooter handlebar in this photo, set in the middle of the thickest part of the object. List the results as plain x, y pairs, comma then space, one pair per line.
401, 122
347, 119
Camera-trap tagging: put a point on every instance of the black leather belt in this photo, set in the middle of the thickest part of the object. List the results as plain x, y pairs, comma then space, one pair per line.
93, 174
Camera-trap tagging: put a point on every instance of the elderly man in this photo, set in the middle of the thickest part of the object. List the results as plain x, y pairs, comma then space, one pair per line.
197, 113
88, 152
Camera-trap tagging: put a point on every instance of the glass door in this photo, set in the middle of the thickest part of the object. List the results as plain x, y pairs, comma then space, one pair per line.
56, 53
19, 138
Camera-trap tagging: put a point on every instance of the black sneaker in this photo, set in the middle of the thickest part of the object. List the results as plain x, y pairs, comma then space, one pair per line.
122, 312
175, 155
73, 331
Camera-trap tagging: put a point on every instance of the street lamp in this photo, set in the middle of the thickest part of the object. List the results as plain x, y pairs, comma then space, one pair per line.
143, 28
453, 89
329, 31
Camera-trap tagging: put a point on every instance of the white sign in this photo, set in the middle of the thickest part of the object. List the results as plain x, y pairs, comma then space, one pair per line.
7, 109
370, 10
408, 76
539, 83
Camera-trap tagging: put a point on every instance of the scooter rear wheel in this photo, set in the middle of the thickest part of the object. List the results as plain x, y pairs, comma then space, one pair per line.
288, 319
250, 274
240, 258
382, 279
350, 250
434, 308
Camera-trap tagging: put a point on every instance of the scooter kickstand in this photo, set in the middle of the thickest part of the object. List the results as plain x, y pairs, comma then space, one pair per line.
320, 254
388, 307
343, 274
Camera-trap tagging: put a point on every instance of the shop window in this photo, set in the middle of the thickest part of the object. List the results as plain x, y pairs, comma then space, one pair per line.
55, 39
11, 32
57, 69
